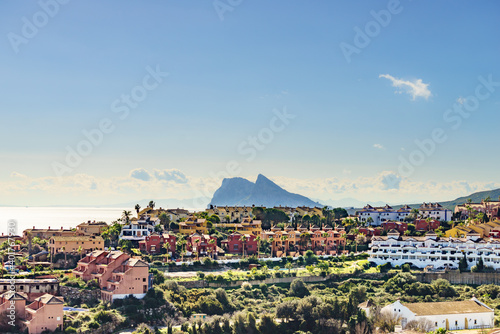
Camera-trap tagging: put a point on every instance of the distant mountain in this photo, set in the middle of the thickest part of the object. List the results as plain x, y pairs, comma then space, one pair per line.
264, 192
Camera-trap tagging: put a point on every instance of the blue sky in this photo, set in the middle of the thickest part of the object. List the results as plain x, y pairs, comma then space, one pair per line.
225, 77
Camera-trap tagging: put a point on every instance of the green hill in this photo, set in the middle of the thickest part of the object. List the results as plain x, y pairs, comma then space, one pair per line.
475, 197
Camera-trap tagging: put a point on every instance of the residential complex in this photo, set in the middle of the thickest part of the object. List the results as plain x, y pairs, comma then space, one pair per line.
377, 215
430, 250
117, 273
291, 242
490, 208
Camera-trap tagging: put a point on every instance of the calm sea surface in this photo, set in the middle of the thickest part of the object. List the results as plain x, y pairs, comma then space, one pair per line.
43, 217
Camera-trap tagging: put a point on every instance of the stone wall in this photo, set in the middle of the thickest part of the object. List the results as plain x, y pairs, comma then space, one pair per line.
85, 296
461, 278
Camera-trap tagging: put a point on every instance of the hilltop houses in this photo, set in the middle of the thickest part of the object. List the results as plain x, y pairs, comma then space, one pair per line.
117, 273
490, 208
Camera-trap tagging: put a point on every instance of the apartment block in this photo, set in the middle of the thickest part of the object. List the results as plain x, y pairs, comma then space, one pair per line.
117, 273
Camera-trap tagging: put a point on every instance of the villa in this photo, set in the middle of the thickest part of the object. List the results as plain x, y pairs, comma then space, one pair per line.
138, 230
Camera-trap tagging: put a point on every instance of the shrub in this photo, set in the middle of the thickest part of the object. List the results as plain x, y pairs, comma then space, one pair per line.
200, 274
298, 288
405, 268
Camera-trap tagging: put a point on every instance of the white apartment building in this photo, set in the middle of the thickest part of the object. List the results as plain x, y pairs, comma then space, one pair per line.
440, 253
138, 230
434, 211
379, 215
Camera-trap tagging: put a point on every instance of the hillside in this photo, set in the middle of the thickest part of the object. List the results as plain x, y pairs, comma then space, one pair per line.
264, 192
475, 197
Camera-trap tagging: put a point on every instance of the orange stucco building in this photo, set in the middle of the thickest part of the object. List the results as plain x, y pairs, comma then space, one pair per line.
44, 313
117, 273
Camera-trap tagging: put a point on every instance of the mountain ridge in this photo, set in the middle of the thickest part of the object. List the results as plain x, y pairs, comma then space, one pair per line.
264, 192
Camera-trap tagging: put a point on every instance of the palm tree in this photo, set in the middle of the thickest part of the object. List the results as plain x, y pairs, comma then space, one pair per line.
325, 235
166, 246
284, 238
30, 237
211, 242
271, 240
360, 238
151, 204
63, 249
126, 215
181, 244
288, 266
243, 240
2, 255
80, 249
137, 208
227, 218
258, 238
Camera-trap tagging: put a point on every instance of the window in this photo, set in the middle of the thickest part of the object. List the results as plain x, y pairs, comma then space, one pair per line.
456, 322
144, 279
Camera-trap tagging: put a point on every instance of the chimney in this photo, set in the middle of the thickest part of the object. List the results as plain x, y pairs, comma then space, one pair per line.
33, 227
61, 228
49, 227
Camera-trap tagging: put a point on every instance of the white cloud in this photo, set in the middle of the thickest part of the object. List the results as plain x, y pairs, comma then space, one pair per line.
378, 146
415, 88
461, 100
140, 174
173, 175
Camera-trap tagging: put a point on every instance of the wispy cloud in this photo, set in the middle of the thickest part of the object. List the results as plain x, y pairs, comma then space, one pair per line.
415, 88
379, 146
461, 100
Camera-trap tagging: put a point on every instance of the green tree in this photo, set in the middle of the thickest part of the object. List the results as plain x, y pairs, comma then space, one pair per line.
298, 288
137, 208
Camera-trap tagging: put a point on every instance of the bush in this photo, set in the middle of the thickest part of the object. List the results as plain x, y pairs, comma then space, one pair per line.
201, 274
405, 268
298, 288
383, 268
